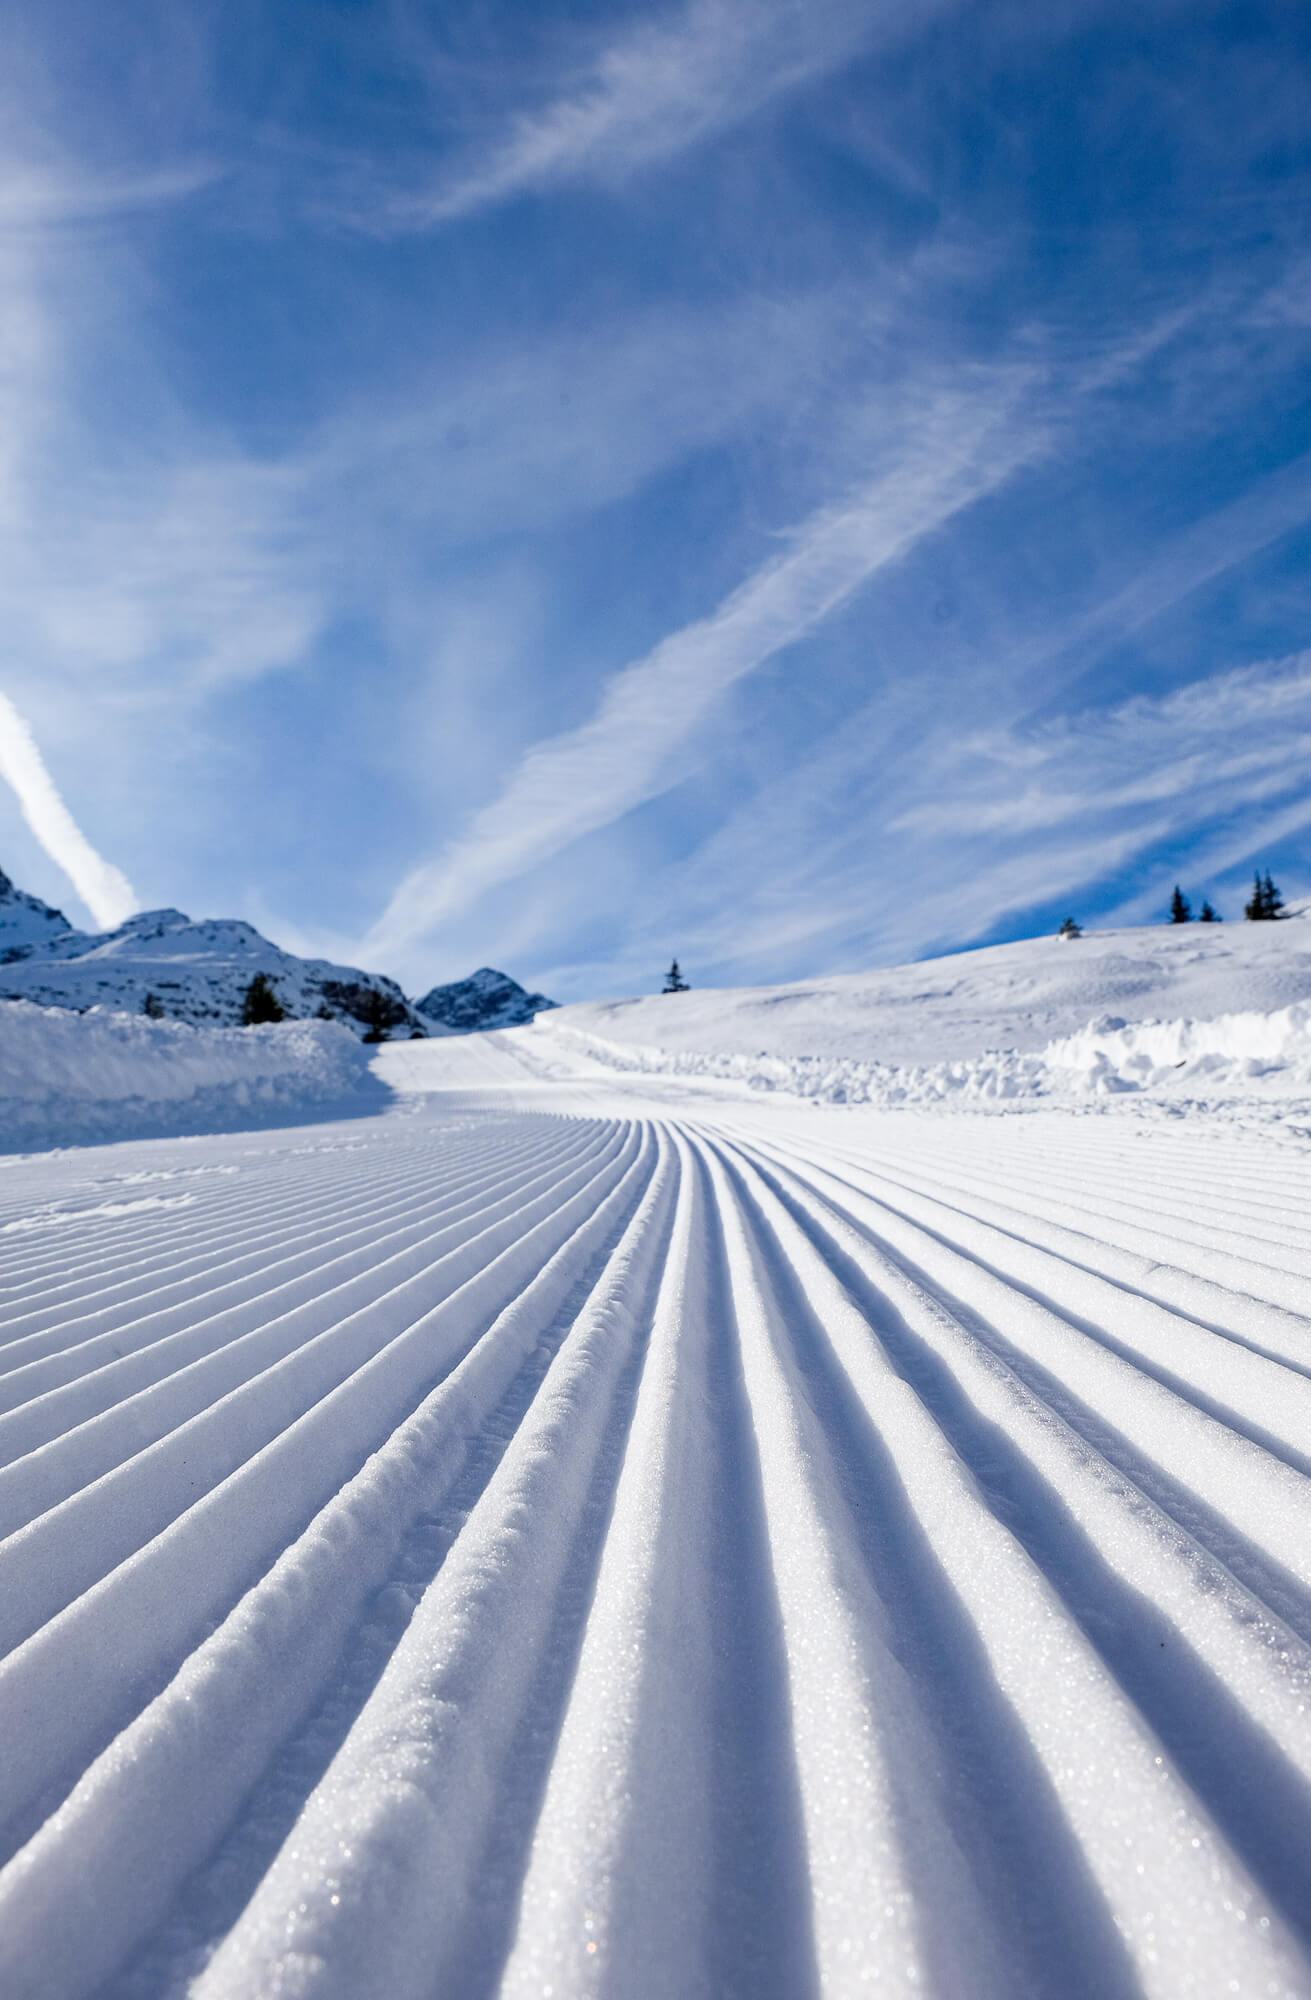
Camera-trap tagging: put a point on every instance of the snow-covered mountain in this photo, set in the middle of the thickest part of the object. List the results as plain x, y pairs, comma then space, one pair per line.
198, 972
487, 999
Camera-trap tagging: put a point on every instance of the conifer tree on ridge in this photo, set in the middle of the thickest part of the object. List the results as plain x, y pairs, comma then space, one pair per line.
1265, 903
261, 1003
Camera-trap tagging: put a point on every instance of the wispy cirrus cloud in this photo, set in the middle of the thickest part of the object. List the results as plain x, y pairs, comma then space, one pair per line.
43, 197
106, 892
1236, 736
659, 89
584, 779
986, 826
131, 536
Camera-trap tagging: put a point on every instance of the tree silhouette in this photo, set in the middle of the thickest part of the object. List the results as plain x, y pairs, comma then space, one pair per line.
1181, 910
1208, 915
1069, 929
261, 1003
377, 1013
674, 981
1265, 902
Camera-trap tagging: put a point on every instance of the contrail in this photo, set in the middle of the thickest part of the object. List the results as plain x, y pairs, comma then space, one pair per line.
107, 894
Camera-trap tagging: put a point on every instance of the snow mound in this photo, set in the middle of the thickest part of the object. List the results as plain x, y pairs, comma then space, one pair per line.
69, 1079
1229, 1051
1232, 1055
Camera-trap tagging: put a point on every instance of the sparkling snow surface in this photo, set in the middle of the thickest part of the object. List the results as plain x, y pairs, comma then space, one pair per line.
581, 1532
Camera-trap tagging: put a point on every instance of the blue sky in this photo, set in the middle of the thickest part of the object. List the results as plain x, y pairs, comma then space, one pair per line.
797, 486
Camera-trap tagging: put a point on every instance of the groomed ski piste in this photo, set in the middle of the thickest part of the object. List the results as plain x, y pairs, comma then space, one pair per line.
582, 1530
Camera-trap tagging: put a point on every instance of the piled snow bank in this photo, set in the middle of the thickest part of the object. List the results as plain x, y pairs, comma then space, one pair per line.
828, 1079
1231, 1050
69, 1079
1231, 1055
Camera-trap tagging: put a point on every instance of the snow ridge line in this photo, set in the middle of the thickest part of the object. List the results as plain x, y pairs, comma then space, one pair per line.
227, 1220
78, 1347
208, 1348
185, 1445
444, 1710
1025, 1610
1096, 1745
144, 1604
196, 1749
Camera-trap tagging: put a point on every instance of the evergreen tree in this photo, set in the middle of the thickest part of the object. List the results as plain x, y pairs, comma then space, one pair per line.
154, 1006
376, 1013
1208, 915
1265, 902
1069, 929
1181, 911
674, 981
261, 1003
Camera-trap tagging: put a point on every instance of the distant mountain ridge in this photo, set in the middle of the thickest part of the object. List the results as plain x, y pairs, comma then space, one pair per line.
199, 972
487, 999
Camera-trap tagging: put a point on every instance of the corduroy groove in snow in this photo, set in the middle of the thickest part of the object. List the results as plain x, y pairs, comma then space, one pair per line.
504, 1552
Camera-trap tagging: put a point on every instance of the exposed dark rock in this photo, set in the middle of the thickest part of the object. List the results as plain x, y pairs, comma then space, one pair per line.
487, 999
380, 1005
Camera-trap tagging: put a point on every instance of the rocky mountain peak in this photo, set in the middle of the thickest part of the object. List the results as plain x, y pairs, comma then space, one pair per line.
26, 923
486, 999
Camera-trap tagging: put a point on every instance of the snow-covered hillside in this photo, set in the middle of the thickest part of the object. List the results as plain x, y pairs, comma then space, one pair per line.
1005, 997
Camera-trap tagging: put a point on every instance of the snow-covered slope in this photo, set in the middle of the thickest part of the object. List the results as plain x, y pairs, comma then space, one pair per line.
197, 971
1253, 1057
1009, 996
487, 999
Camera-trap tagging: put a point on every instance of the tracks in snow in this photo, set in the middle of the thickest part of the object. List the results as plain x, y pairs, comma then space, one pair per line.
538, 1555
